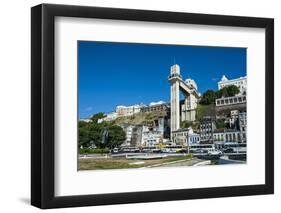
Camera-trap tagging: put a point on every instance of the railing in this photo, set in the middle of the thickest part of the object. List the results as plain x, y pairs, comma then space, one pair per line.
231, 100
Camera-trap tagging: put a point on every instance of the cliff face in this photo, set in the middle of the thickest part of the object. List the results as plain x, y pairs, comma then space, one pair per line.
225, 110
142, 118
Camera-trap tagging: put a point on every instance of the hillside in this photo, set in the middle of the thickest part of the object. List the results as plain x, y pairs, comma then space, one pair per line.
142, 118
205, 110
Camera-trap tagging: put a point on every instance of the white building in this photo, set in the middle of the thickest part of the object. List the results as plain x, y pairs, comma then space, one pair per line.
185, 137
109, 117
128, 110
156, 103
241, 83
207, 127
87, 120
192, 138
151, 138
156, 107
180, 136
112, 116
129, 132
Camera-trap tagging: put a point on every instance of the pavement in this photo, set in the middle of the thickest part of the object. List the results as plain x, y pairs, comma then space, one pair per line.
186, 162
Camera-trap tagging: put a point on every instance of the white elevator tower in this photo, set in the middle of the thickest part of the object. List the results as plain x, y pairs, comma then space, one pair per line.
174, 79
186, 112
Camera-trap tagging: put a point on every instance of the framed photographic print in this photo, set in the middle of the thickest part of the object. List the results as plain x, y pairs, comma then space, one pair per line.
139, 106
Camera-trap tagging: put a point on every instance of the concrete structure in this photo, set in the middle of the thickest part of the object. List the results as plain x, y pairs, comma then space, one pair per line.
226, 101
136, 136
241, 83
242, 118
188, 112
233, 120
238, 120
159, 125
189, 89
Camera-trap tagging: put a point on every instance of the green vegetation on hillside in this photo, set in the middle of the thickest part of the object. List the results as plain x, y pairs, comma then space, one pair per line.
205, 110
107, 135
228, 91
210, 96
102, 135
220, 124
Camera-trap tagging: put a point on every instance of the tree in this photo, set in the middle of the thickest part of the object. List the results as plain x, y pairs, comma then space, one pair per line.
97, 116
90, 132
220, 124
232, 90
116, 136
228, 91
94, 133
84, 138
84, 134
208, 97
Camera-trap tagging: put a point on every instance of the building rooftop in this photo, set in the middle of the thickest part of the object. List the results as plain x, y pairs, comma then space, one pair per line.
224, 79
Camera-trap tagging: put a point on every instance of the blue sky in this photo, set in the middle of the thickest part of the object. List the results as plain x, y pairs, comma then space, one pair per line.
111, 73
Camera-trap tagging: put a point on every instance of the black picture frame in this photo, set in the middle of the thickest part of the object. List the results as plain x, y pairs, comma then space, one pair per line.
43, 102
